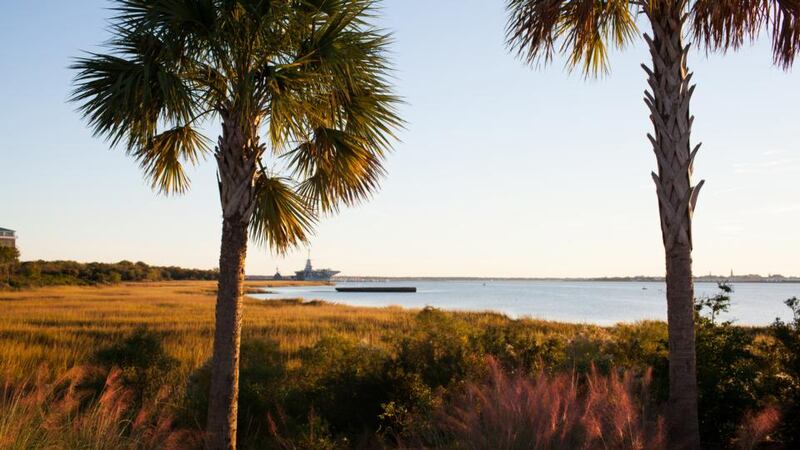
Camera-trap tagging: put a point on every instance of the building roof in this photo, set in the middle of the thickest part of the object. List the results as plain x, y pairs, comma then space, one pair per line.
6, 229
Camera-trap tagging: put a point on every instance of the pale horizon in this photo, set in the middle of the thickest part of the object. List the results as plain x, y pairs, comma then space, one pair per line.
503, 171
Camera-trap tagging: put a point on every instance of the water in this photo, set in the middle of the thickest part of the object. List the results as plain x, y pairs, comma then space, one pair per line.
602, 303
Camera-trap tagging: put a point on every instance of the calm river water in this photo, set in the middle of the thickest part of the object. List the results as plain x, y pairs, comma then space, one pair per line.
601, 303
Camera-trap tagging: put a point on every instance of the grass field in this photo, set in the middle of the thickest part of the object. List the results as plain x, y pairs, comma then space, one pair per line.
333, 371
48, 330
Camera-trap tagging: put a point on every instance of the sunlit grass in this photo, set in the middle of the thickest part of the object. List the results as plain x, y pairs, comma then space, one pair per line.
52, 329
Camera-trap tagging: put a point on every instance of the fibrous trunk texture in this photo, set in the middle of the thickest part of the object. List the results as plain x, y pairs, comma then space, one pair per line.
669, 100
236, 162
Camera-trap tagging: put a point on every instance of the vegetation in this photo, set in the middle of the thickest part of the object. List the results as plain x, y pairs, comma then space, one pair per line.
54, 273
311, 76
315, 375
517, 412
9, 258
583, 30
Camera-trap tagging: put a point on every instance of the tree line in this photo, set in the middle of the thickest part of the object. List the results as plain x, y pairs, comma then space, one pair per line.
16, 274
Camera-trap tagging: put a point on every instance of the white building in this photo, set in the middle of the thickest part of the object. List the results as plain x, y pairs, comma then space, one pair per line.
8, 238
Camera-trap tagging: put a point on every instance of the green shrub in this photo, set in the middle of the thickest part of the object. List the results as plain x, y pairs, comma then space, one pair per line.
787, 359
518, 345
146, 366
441, 349
644, 345
262, 376
734, 378
345, 383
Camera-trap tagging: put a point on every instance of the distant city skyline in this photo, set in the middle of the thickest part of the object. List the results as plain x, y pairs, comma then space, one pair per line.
503, 171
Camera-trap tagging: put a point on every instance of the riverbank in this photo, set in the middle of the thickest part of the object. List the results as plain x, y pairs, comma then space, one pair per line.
338, 372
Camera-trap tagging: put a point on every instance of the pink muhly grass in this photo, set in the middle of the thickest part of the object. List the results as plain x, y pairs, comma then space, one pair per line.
511, 411
63, 414
757, 428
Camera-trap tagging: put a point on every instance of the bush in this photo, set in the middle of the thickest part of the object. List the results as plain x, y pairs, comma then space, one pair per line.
787, 354
519, 345
262, 375
345, 383
145, 365
441, 349
738, 371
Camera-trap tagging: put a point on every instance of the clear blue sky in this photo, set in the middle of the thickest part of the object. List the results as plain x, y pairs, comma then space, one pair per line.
503, 170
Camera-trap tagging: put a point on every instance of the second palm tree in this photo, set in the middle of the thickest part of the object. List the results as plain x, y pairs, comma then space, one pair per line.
584, 29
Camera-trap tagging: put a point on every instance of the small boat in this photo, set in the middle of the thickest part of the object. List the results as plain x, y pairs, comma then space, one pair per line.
376, 289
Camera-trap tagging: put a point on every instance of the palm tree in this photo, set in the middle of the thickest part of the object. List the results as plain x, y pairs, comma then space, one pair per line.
310, 75
583, 30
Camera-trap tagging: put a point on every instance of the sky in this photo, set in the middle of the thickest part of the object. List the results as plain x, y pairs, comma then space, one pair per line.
503, 170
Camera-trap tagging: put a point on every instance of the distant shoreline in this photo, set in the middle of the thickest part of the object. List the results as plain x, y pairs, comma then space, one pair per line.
702, 279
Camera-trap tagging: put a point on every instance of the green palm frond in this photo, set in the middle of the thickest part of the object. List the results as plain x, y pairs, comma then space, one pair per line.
350, 117
127, 96
338, 168
282, 219
287, 85
163, 156
189, 19
125, 93
581, 29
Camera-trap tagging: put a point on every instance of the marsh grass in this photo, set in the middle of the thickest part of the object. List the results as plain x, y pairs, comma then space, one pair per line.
49, 330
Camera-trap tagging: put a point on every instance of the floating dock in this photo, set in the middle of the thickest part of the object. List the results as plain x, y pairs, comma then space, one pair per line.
376, 289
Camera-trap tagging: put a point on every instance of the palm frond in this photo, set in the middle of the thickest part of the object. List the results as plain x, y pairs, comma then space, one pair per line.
125, 94
348, 117
195, 18
581, 29
132, 94
338, 168
281, 219
785, 21
727, 24
163, 156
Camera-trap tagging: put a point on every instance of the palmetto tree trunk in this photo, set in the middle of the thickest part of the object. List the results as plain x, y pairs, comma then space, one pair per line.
236, 167
669, 105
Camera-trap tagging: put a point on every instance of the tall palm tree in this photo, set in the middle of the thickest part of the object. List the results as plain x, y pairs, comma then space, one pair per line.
308, 75
583, 31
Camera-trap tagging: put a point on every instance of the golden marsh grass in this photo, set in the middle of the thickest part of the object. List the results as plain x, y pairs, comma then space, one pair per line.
48, 330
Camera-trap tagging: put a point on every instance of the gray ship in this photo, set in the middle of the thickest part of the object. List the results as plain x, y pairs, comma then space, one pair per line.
309, 274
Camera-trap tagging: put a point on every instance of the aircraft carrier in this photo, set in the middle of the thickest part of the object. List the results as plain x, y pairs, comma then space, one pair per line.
309, 274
